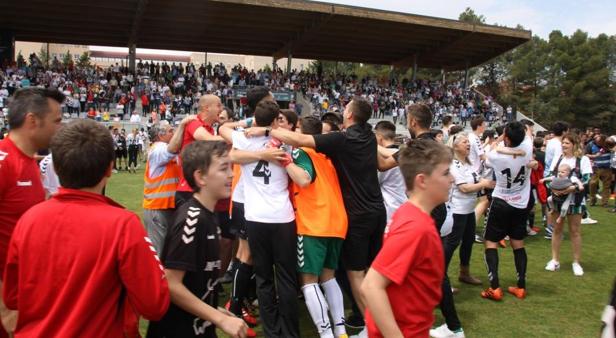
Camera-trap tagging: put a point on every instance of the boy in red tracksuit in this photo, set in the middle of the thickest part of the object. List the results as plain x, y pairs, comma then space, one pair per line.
403, 285
79, 265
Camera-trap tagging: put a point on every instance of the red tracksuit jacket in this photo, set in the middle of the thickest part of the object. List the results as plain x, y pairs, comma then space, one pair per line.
79, 265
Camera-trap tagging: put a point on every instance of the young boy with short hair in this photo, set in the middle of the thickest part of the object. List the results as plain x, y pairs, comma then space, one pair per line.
191, 253
79, 265
403, 285
321, 228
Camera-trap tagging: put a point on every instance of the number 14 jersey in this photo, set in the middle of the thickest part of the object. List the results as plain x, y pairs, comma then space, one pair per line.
266, 185
512, 175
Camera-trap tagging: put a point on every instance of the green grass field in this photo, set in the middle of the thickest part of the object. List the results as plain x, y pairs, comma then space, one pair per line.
558, 304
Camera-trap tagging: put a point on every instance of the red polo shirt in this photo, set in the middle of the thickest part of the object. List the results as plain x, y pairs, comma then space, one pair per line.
79, 265
412, 259
20, 189
188, 138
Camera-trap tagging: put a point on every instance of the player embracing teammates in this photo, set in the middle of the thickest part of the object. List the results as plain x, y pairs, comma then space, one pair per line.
508, 210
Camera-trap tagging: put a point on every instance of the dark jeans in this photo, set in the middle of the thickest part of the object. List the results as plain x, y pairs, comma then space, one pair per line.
133, 150
447, 305
273, 246
463, 231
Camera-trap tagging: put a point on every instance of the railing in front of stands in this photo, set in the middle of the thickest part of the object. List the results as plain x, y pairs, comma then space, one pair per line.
519, 114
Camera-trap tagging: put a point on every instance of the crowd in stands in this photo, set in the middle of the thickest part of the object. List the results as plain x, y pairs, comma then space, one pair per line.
171, 89
167, 89
390, 99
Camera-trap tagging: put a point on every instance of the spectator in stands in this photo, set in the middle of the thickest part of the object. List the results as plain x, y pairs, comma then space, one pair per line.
135, 117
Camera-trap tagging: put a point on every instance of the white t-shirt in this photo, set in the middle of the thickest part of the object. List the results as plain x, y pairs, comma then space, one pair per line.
512, 175
158, 157
51, 183
476, 151
553, 150
237, 195
462, 203
393, 189
131, 140
238, 192
585, 166
266, 185
448, 223
135, 118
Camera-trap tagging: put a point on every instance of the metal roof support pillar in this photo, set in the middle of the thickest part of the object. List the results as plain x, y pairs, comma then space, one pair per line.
289, 59
466, 74
443, 74
7, 47
414, 67
132, 54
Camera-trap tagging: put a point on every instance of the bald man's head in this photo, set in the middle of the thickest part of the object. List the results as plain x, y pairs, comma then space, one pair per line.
210, 107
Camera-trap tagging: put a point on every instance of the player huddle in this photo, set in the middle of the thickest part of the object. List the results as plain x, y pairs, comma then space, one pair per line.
302, 204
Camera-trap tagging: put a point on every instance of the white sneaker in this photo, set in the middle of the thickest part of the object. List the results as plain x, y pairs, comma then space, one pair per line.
530, 231
362, 334
577, 269
599, 197
552, 265
589, 220
444, 332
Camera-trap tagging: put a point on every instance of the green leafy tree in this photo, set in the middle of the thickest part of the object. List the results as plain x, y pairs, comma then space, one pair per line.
21, 62
470, 16
43, 56
527, 73
67, 59
84, 60
494, 71
567, 78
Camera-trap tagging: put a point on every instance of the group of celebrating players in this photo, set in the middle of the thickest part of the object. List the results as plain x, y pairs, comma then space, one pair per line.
286, 203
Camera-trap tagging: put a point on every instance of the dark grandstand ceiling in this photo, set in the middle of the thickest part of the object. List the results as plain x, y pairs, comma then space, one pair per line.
309, 30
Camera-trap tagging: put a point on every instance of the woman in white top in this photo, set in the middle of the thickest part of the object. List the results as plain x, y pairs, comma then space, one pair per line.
132, 141
463, 198
582, 169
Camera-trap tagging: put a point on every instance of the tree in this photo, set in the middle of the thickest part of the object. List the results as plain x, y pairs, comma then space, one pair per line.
493, 72
21, 62
84, 60
469, 16
567, 78
527, 74
43, 56
67, 59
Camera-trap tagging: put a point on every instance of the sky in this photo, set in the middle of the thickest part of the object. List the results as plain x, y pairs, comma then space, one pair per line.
540, 16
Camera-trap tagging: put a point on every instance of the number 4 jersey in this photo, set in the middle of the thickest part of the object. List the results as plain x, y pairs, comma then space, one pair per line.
266, 185
512, 175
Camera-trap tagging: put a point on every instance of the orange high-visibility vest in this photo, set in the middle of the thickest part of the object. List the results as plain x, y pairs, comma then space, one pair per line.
319, 207
159, 192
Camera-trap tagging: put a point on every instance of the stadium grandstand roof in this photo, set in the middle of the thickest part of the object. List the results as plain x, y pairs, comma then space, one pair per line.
306, 29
